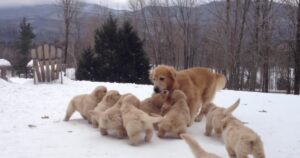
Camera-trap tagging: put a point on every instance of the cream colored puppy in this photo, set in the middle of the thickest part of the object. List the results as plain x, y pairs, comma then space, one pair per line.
215, 115
85, 103
196, 148
111, 119
108, 101
136, 121
240, 140
153, 104
177, 118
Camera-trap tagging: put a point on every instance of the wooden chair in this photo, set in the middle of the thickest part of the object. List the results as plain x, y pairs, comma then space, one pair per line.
47, 63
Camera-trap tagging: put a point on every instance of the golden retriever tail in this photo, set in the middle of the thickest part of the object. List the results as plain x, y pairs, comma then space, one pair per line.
221, 81
230, 109
70, 110
195, 147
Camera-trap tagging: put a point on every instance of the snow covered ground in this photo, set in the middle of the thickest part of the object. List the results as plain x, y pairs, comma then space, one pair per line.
26, 132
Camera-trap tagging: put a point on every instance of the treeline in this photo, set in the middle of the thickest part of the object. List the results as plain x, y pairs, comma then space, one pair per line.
255, 43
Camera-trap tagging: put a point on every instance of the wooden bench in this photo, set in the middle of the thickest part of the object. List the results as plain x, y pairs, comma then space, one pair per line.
47, 63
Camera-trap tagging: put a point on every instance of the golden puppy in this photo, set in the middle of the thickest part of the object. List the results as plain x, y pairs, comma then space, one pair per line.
215, 115
196, 148
108, 101
153, 104
198, 84
111, 119
175, 121
136, 121
85, 102
240, 140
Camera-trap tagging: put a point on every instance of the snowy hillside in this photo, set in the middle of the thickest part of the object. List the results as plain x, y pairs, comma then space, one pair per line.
27, 132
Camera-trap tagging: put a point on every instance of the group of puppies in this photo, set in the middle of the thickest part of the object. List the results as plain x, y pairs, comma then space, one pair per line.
179, 99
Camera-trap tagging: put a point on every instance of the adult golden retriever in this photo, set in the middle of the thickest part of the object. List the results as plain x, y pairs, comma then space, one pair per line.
199, 85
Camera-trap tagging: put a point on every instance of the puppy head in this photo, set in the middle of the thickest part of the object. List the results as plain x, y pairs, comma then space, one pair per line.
159, 98
132, 100
163, 78
177, 95
112, 96
99, 92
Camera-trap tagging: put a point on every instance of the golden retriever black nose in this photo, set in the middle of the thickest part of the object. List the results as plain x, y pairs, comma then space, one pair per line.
156, 89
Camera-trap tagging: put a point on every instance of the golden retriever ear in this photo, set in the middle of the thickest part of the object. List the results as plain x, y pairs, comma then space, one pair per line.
172, 73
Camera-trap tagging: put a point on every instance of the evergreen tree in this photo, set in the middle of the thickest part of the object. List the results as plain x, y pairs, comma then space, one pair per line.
86, 66
134, 63
118, 56
106, 43
26, 36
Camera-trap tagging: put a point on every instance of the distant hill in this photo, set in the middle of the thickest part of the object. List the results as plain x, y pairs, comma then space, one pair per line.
46, 19
48, 24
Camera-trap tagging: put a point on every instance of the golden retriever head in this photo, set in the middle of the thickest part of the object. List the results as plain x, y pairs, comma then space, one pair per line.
163, 78
99, 92
112, 96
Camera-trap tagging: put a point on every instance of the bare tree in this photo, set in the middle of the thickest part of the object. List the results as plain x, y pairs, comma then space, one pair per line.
70, 9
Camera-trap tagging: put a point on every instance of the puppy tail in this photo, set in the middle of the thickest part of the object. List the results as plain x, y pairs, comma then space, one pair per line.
230, 109
221, 81
195, 147
155, 119
70, 111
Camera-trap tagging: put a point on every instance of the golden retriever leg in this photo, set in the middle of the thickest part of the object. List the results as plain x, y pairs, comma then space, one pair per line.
194, 112
148, 136
103, 131
70, 110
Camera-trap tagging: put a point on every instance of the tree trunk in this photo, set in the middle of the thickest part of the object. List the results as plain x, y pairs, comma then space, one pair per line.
297, 55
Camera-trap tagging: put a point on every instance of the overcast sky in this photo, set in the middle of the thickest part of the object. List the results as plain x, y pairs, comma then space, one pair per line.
116, 4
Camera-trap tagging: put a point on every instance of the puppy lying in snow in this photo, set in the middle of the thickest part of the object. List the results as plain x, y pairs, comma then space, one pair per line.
85, 103
178, 116
111, 119
240, 140
215, 115
196, 148
136, 121
108, 101
153, 104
